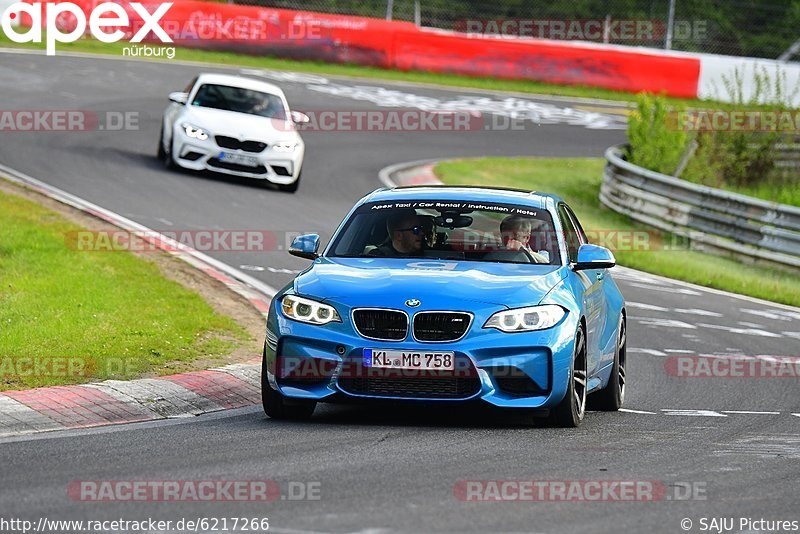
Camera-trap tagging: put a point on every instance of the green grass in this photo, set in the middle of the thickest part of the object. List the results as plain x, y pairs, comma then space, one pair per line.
89, 45
783, 191
578, 180
87, 316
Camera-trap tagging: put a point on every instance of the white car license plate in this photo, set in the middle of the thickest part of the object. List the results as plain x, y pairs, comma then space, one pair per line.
238, 159
402, 359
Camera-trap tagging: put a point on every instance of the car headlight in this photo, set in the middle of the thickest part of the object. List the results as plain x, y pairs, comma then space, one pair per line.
284, 146
526, 319
308, 311
197, 133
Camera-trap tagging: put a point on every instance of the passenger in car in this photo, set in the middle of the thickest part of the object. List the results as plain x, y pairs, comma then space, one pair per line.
515, 232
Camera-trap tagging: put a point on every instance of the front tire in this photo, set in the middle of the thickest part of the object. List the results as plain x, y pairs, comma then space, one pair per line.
165, 155
611, 397
276, 405
572, 409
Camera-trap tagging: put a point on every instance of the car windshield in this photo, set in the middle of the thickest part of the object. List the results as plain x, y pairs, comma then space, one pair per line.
240, 100
451, 230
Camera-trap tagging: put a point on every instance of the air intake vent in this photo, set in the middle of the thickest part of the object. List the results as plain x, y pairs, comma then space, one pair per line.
235, 144
441, 326
385, 325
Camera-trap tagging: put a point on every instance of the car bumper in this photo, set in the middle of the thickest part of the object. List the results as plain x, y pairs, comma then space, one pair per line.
520, 370
276, 167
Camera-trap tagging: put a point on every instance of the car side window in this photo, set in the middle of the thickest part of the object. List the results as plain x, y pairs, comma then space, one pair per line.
581, 234
570, 233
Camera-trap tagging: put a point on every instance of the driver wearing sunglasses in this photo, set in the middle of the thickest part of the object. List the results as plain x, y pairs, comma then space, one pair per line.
407, 232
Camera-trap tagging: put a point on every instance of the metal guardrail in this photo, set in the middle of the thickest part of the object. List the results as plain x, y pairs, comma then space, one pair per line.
718, 221
788, 156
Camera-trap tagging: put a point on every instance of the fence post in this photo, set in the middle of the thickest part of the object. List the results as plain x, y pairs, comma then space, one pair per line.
389, 9
670, 25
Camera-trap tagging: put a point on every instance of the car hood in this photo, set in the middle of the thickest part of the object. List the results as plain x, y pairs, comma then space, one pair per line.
240, 125
389, 282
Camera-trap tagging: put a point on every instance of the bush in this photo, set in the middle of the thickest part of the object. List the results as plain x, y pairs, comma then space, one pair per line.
740, 160
656, 141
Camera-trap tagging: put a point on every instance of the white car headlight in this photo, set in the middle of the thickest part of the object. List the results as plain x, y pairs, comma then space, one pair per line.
308, 311
193, 131
284, 146
526, 319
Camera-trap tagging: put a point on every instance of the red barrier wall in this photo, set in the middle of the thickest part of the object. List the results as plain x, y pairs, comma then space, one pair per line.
547, 61
401, 45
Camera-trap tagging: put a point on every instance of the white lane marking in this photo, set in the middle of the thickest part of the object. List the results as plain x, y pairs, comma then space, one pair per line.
778, 315
796, 414
745, 331
651, 352
695, 311
791, 311
281, 76
508, 106
679, 351
750, 413
258, 269
791, 334
636, 411
693, 413
772, 446
282, 271
750, 325
774, 315
734, 356
678, 290
643, 306
687, 311
663, 323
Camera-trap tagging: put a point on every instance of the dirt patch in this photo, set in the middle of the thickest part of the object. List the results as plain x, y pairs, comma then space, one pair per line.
215, 293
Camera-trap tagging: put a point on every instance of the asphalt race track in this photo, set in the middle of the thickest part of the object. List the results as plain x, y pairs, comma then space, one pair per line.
394, 470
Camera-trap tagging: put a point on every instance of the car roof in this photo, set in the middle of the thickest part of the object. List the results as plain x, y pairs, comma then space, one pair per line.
240, 81
464, 193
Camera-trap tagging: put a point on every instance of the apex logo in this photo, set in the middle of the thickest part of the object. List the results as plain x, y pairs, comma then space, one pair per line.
103, 16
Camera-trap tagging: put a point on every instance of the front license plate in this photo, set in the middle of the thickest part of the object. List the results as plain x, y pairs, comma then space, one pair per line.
401, 359
238, 159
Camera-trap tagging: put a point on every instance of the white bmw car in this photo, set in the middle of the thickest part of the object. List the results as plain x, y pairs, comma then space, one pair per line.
233, 125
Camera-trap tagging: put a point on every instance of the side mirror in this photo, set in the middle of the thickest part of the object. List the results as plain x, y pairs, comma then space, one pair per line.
305, 246
594, 257
179, 98
299, 118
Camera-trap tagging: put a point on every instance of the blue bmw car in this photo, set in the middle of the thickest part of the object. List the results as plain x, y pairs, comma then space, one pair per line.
442, 294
